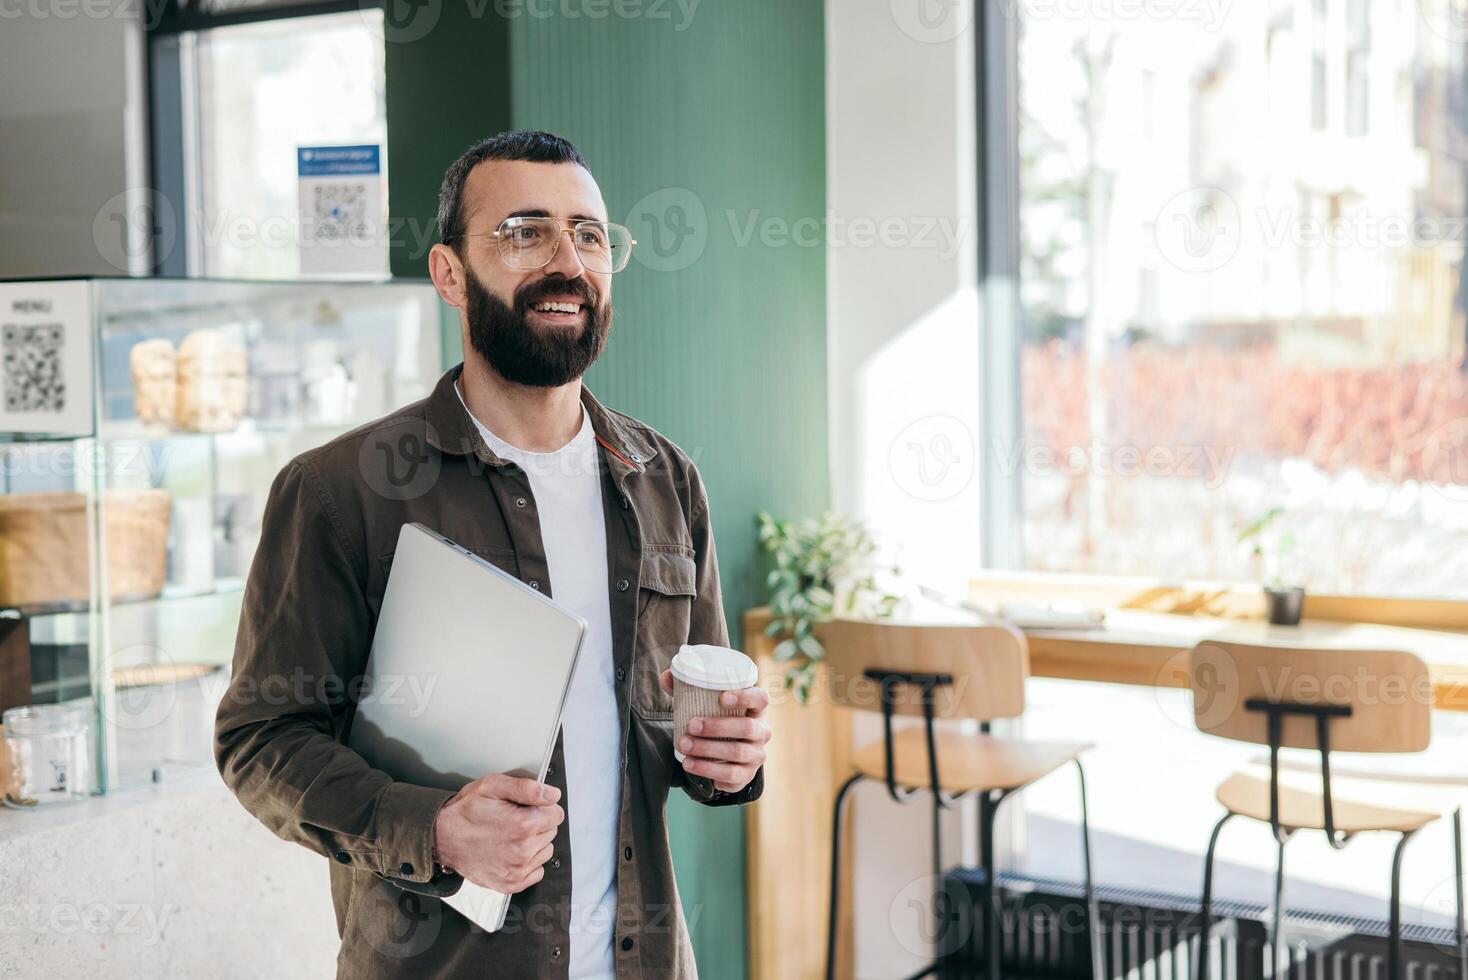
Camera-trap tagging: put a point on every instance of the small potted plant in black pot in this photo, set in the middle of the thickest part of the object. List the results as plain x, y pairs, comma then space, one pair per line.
1271, 548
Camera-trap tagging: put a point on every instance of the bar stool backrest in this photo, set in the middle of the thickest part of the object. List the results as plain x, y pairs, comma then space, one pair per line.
1373, 700
984, 666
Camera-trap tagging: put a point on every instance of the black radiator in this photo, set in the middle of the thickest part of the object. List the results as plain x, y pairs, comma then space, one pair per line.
1152, 935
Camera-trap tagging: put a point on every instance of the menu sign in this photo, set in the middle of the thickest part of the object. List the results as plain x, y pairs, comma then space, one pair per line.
46, 358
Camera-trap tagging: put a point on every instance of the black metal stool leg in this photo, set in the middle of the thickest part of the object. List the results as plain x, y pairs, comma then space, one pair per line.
1458, 888
1276, 935
993, 937
836, 876
1394, 922
938, 838
1093, 914
1205, 926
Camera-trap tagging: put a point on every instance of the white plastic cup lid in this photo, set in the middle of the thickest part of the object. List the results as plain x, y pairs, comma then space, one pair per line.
714, 668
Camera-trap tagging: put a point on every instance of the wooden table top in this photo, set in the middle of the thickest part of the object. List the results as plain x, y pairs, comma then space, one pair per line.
1150, 648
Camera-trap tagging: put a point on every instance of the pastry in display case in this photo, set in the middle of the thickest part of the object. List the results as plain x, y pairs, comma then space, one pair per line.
142, 422
212, 386
154, 372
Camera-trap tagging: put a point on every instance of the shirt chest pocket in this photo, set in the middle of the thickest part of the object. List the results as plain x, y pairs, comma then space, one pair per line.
665, 597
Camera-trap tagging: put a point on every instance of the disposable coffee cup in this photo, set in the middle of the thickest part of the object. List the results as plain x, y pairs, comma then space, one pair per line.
701, 673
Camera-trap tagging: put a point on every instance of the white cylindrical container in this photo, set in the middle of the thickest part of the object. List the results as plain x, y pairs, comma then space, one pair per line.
701, 673
49, 755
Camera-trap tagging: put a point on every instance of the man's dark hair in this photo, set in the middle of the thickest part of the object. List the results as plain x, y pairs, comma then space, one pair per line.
532, 145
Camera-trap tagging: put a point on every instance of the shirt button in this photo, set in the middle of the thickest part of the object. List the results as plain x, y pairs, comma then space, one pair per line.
519, 501
556, 863
550, 771
342, 857
555, 952
405, 868
535, 584
627, 853
627, 940
621, 674
622, 585
625, 502
636, 458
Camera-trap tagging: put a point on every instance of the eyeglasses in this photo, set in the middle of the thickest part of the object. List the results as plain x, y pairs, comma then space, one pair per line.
532, 242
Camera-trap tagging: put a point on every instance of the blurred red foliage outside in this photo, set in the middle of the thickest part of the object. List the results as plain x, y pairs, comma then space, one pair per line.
1398, 422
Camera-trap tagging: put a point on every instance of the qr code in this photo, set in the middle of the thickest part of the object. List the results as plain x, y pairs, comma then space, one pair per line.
339, 211
32, 358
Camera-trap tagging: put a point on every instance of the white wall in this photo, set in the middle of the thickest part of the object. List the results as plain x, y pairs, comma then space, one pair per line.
903, 346
904, 364
73, 144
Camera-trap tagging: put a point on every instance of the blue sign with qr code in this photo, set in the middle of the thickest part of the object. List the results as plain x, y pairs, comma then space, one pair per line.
337, 161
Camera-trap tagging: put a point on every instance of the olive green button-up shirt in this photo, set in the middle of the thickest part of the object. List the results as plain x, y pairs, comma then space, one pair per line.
310, 606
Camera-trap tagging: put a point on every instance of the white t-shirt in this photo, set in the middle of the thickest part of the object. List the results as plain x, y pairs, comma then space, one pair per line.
568, 496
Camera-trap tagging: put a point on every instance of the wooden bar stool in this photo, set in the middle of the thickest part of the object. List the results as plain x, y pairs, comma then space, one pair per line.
1319, 699
953, 672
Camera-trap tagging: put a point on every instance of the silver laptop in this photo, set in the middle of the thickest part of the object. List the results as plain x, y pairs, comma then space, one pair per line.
468, 674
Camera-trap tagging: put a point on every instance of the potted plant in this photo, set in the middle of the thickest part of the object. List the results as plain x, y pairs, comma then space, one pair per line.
1271, 548
823, 567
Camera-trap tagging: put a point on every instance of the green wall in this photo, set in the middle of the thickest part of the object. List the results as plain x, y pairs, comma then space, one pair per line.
707, 136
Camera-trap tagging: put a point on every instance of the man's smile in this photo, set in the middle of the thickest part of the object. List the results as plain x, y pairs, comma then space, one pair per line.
564, 309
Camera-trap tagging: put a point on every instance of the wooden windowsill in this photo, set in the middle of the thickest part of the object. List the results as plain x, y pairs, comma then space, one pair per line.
1223, 600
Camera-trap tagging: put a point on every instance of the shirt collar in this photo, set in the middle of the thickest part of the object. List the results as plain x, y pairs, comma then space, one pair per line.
451, 428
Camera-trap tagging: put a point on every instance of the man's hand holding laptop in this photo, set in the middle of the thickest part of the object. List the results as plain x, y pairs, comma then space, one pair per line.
497, 832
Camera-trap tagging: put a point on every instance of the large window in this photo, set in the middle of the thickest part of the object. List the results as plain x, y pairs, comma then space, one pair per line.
1242, 239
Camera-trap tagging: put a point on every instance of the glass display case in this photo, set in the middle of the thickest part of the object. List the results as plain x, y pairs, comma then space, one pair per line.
142, 422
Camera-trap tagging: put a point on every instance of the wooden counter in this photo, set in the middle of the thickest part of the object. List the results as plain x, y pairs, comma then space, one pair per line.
788, 831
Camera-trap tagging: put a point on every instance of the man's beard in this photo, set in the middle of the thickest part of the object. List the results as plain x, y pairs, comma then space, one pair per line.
523, 353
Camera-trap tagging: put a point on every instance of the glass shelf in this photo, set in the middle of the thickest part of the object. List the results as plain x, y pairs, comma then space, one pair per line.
126, 533
169, 594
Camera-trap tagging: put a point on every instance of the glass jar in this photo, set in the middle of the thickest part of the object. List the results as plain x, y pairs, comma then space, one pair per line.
49, 757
